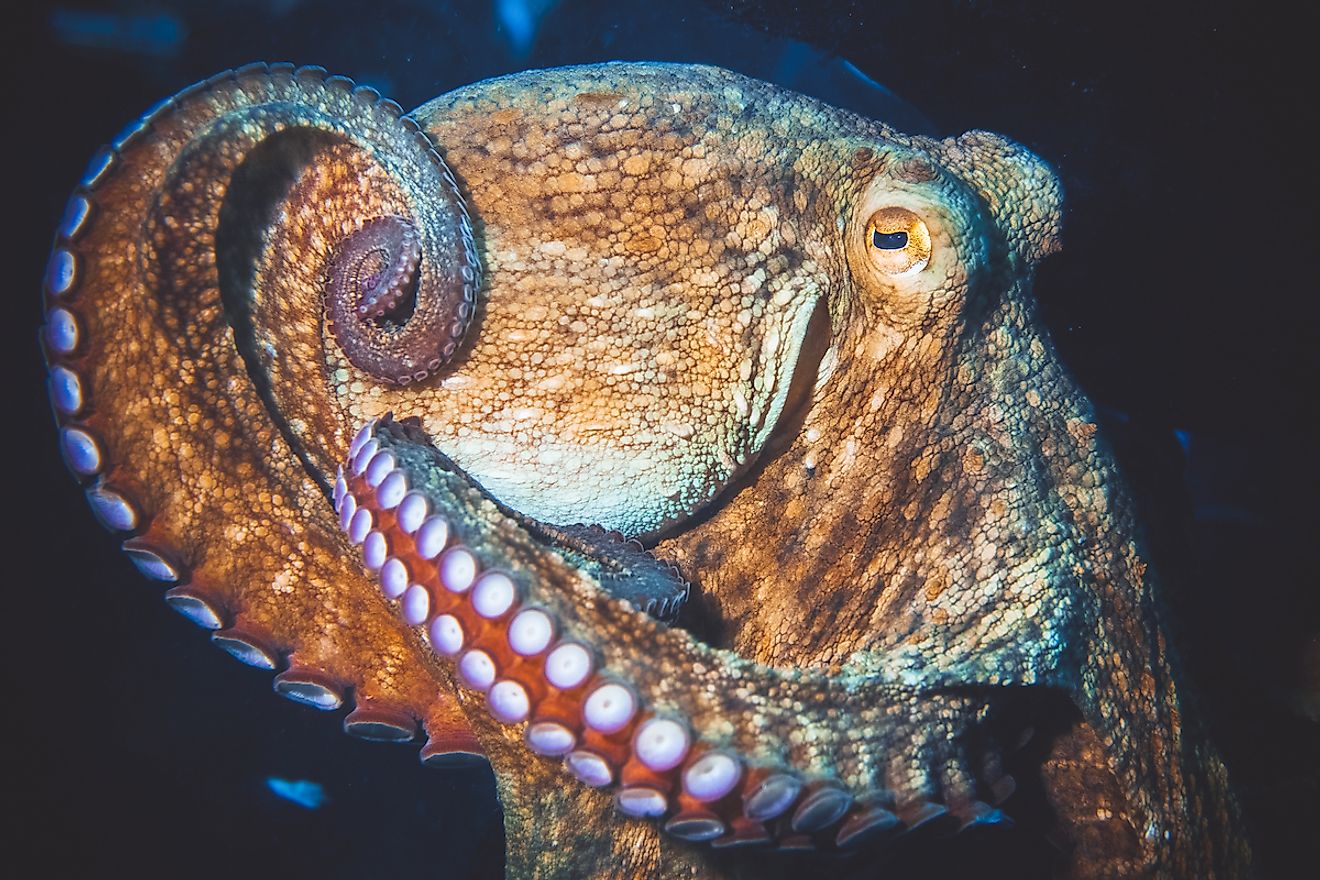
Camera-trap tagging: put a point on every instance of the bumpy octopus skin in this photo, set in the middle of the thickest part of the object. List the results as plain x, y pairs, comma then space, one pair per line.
349, 397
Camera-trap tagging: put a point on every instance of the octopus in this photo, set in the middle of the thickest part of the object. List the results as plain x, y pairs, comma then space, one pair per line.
686, 448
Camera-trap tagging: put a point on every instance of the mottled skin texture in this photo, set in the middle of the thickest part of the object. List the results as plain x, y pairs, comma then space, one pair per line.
684, 332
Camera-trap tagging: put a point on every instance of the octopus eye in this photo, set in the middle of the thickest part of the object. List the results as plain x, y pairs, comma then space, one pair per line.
897, 241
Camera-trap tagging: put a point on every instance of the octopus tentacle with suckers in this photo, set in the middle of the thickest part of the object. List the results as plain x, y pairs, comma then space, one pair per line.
347, 375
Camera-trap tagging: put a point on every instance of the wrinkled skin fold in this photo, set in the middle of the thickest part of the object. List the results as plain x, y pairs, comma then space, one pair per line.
791, 351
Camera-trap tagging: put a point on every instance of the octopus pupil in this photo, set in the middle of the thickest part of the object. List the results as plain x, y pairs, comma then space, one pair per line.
889, 241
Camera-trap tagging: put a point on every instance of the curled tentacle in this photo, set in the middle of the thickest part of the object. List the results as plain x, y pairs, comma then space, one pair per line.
378, 263
526, 623
155, 371
384, 323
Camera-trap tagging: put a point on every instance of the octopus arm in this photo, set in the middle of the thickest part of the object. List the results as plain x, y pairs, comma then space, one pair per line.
714, 746
163, 423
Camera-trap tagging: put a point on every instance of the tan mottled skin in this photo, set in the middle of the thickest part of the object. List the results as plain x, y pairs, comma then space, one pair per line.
894, 483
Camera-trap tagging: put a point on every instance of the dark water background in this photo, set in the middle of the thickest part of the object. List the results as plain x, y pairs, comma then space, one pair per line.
1183, 301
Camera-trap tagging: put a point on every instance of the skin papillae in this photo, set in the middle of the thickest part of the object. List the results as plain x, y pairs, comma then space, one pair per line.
692, 323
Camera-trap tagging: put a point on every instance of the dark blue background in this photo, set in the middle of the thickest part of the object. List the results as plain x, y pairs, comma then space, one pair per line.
1183, 301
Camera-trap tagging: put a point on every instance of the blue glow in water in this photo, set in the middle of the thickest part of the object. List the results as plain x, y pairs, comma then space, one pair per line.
520, 20
159, 35
305, 793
